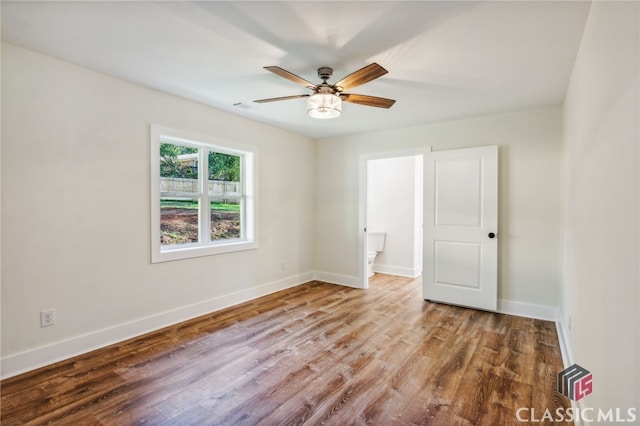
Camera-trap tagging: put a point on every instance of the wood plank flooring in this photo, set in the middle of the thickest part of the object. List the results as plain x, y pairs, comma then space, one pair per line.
314, 354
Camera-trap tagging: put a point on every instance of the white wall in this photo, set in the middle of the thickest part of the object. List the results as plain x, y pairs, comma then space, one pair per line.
529, 205
600, 280
392, 207
76, 213
0, 202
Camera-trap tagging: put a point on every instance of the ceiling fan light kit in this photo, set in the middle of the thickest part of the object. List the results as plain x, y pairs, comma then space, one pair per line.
326, 100
324, 105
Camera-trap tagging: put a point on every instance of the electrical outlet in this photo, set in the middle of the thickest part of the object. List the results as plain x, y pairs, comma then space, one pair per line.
283, 266
47, 317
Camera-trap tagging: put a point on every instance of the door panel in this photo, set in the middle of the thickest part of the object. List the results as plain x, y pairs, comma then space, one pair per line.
462, 205
461, 210
457, 263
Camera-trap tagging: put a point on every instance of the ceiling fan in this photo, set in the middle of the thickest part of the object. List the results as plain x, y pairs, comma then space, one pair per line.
326, 100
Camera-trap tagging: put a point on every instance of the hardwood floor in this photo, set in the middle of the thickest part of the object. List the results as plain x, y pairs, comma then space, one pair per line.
313, 354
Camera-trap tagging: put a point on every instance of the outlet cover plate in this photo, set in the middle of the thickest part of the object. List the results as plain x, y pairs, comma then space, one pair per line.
47, 317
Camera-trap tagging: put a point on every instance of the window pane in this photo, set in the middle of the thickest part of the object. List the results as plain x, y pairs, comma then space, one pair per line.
225, 167
178, 221
225, 220
225, 195
178, 168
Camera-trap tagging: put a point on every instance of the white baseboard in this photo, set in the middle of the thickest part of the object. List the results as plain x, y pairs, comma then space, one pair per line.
48, 354
567, 360
397, 270
563, 340
528, 310
345, 280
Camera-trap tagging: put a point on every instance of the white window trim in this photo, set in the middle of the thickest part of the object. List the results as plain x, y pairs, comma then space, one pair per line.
249, 167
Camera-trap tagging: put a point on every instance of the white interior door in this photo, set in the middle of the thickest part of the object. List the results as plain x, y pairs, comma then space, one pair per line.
461, 227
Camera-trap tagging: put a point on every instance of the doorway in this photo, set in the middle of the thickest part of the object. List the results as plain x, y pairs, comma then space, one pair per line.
391, 190
460, 232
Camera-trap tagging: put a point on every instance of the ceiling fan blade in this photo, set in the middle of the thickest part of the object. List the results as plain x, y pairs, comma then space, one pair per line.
373, 101
360, 77
291, 77
283, 98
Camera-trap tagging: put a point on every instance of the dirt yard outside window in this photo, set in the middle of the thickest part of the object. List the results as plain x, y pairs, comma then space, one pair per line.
180, 225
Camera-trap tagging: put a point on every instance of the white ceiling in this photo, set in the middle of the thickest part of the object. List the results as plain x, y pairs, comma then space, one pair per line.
446, 60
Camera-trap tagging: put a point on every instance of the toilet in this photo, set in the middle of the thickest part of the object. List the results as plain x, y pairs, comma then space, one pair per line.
375, 244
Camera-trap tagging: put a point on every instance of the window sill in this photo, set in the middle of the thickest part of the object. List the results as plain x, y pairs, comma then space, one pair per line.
182, 252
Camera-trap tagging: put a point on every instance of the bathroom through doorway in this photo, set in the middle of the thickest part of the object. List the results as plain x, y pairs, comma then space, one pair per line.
394, 215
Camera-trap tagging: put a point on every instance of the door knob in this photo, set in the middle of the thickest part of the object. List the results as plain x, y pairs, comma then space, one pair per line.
492, 235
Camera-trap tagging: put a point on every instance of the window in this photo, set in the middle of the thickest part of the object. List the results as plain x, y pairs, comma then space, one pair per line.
202, 196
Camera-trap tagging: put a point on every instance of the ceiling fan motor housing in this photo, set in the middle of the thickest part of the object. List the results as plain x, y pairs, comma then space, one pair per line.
325, 89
